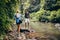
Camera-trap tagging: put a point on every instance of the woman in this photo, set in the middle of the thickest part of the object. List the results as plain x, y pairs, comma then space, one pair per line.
18, 22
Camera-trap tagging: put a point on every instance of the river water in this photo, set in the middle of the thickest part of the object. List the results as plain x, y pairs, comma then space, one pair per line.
45, 29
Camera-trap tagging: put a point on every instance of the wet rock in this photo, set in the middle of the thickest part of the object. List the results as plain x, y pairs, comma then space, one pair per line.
57, 26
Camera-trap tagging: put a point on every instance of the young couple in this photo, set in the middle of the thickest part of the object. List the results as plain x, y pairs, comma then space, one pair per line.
18, 18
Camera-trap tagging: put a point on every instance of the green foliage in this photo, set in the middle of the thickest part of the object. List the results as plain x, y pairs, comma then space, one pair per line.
52, 9
34, 6
36, 15
47, 15
52, 5
7, 9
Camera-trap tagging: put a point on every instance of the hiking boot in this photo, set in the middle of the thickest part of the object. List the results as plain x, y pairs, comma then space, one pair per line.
18, 35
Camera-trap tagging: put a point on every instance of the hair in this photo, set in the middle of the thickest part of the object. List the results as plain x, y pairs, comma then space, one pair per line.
17, 11
26, 10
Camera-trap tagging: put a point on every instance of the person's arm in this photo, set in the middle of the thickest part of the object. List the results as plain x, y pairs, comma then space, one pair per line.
29, 16
21, 17
14, 16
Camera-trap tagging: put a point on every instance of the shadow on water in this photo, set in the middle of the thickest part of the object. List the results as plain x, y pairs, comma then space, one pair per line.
57, 36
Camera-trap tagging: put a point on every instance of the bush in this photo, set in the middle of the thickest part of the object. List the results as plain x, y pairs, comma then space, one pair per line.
6, 14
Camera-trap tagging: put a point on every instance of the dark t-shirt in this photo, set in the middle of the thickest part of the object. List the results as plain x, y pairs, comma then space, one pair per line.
27, 15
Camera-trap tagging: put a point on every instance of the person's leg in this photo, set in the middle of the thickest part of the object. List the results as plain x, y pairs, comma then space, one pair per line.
18, 29
25, 23
28, 23
18, 32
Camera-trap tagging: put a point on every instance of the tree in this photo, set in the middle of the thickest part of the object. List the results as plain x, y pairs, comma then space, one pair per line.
7, 9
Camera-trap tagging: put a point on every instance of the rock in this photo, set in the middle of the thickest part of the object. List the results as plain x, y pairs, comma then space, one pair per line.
5, 38
57, 26
23, 36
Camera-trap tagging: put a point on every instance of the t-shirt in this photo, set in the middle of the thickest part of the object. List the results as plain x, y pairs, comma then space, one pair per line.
18, 15
27, 15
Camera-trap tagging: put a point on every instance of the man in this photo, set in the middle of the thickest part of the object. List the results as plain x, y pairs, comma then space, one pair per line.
27, 18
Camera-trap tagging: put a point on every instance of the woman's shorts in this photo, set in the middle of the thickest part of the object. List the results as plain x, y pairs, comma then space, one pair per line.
18, 21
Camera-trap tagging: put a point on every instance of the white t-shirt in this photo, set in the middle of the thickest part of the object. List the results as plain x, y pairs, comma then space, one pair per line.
18, 15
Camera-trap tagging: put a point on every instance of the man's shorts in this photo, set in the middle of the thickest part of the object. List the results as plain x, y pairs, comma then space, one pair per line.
27, 20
